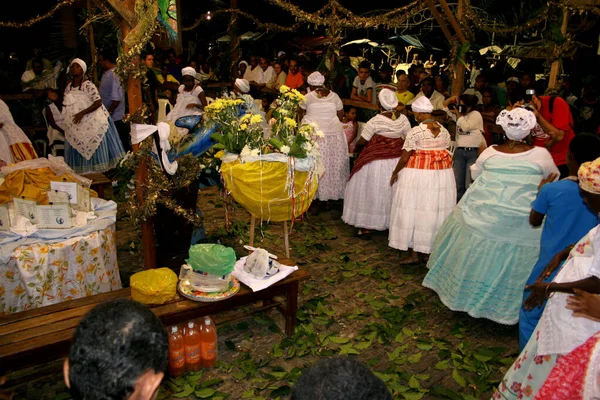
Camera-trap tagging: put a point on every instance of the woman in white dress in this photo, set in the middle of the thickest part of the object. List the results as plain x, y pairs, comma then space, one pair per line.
368, 196
191, 98
92, 140
426, 191
325, 109
15, 146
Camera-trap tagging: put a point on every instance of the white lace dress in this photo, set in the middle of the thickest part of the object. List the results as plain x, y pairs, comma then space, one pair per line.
92, 145
333, 147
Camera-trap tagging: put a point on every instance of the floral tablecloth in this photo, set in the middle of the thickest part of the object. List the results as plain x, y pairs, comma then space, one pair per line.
47, 273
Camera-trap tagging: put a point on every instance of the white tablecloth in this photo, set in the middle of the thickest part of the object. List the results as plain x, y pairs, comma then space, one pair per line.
47, 273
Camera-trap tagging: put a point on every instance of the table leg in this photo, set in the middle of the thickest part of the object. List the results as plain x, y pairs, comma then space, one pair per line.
291, 309
286, 239
252, 228
100, 190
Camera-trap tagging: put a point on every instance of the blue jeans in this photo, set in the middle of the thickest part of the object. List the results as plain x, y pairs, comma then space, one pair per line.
461, 164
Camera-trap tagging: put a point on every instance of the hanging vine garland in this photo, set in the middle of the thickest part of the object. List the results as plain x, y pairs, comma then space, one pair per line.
39, 18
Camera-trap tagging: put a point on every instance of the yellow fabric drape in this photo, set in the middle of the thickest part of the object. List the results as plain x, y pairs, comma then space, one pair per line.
33, 184
259, 186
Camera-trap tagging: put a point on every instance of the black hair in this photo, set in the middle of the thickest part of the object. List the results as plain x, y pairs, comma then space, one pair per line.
585, 147
108, 55
37, 61
430, 80
364, 64
145, 54
386, 68
491, 90
400, 72
469, 100
347, 108
516, 95
339, 378
113, 345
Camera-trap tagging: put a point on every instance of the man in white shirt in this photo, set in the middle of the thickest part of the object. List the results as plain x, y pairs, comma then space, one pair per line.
111, 93
264, 75
427, 90
251, 73
38, 77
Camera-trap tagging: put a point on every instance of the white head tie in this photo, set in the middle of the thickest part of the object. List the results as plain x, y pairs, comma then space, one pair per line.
516, 123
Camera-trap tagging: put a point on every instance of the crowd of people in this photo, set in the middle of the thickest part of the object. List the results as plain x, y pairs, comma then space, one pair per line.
463, 183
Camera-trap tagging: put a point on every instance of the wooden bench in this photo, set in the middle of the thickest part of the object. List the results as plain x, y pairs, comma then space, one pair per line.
44, 334
98, 182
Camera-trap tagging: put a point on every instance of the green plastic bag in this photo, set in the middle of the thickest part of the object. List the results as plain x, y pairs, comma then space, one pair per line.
214, 259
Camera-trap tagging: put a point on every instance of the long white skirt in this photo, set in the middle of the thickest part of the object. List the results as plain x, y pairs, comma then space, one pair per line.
422, 201
368, 196
334, 154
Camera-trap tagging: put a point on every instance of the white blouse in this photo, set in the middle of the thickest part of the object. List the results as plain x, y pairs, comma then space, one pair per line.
537, 155
384, 126
421, 138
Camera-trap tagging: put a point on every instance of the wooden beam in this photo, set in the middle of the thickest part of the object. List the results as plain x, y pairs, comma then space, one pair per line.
123, 10
440, 20
92, 47
556, 63
458, 83
134, 98
453, 21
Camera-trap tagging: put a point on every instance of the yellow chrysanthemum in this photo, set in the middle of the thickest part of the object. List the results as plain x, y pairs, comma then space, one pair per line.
284, 89
256, 119
290, 122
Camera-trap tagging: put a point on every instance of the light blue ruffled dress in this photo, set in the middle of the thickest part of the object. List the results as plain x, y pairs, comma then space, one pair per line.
486, 249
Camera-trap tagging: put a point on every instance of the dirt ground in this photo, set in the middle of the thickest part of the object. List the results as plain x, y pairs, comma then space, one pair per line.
359, 302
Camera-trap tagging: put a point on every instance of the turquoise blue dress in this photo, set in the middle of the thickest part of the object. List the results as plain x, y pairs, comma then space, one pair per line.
486, 249
567, 220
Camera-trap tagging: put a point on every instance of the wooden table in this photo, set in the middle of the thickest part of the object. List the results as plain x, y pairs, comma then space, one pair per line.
44, 334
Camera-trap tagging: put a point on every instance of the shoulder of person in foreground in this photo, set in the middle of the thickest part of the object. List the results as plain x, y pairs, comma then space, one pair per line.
119, 351
339, 378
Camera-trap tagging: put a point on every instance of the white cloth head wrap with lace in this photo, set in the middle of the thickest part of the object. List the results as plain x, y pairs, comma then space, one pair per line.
81, 63
189, 71
516, 123
422, 105
387, 99
316, 79
243, 85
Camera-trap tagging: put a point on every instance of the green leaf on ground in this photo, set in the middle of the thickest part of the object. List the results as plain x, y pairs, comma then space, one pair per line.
459, 378
205, 393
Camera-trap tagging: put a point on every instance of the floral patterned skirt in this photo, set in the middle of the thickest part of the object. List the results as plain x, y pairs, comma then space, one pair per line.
527, 374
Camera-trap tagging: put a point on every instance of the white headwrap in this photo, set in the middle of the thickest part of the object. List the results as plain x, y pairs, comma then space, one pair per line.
81, 63
188, 71
243, 62
387, 99
316, 79
243, 85
422, 105
281, 54
516, 123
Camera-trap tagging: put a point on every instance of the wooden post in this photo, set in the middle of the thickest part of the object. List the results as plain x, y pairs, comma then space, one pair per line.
458, 83
134, 97
286, 240
556, 63
252, 229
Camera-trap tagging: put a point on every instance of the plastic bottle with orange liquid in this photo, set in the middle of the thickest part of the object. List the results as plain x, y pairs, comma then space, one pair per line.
176, 352
208, 340
192, 339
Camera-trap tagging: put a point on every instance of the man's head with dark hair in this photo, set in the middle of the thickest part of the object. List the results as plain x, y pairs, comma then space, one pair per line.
469, 100
119, 349
339, 378
584, 147
37, 65
385, 73
517, 96
400, 72
107, 59
428, 86
364, 70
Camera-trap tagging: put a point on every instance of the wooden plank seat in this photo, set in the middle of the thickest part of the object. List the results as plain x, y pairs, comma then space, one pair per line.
44, 334
98, 182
